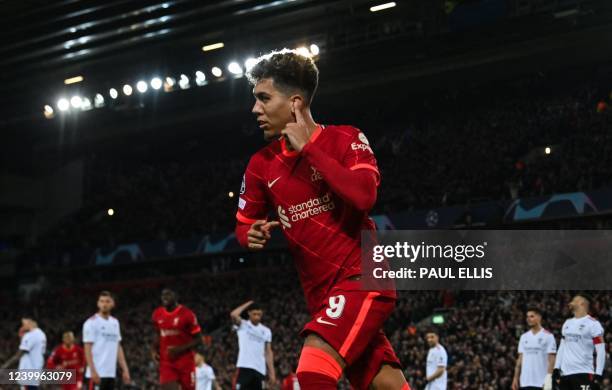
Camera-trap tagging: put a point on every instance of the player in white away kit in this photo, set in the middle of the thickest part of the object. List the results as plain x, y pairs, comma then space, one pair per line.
102, 344
437, 359
536, 355
205, 375
254, 349
581, 336
31, 350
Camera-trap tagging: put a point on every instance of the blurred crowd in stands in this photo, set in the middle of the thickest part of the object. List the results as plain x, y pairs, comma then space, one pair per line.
480, 331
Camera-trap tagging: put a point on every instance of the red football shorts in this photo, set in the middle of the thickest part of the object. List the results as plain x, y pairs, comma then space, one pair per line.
181, 371
351, 322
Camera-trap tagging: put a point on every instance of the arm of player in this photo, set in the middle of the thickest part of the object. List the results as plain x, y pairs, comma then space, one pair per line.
438, 373
517, 372
13, 359
216, 385
600, 358
125, 372
89, 358
356, 187
178, 349
270, 363
235, 314
254, 236
559, 357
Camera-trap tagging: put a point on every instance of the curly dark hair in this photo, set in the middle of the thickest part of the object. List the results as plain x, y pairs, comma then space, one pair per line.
289, 70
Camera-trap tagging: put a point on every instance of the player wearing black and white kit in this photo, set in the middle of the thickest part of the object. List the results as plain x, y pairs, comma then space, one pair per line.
582, 336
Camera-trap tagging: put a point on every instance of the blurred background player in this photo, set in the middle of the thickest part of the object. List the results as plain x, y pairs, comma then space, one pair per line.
204, 374
290, 381
536, 355
321, 180
31, 350
437, 360
68, 356
177, 333
254, 348
102, 347
580, 337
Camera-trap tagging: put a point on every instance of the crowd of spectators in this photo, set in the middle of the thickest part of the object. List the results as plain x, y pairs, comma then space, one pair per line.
480, 332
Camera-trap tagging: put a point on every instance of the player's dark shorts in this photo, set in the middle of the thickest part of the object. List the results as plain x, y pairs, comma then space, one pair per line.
105, 384
578, 382
247, 379
530, 388
351, 322
181, 371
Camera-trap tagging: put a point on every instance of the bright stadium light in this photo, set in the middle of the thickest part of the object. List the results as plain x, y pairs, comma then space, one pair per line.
381, 7
76, 101
303, 51
213, 46
63, 104
216, 71
110, 212
547, 150
48, 111
437, 319
156, 83
230, 194
250, 63
314, 49
113, 93
127, 89
98, 100
86, 104
142, 86
73, 80
200, 78
234, 68
184, 82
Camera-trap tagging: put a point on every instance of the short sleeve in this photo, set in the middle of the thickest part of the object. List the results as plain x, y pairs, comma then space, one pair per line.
212, 373
119, 331
191, 324
26, 343
252, 201
552, 344
442, 359
359, 154
597, 332
89, 332
269, 336
520, 346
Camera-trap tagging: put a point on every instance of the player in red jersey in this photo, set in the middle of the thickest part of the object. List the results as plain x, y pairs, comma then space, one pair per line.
68, 356
177, 334
321, 181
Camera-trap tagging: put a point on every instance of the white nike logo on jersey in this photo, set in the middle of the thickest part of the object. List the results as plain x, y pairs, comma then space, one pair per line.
320, 320
271, 183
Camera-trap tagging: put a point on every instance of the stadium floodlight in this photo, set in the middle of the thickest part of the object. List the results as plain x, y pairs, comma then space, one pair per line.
213, 46
73, 80
98, 100
303, 51
381, 7
76, 101
234, 68
142, 86
113, 93
170, 81
63, 104
110, 212
250, 63
230, 194
156, 83
86, 104
314, 49
547, 150
127, 89
184, 82
48, 111
200, 78
216, 71
437, 319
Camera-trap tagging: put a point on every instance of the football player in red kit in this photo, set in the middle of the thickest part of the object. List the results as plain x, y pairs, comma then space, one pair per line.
177, 334
321, 181
68, 356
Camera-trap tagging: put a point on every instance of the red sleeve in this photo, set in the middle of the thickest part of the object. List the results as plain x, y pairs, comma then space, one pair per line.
354, 180
51, 364
252, 202
191, 324
359, 155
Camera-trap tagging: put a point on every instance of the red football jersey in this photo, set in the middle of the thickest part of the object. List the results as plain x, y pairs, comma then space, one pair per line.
322, 230
290, 382
67, 358
175, 328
